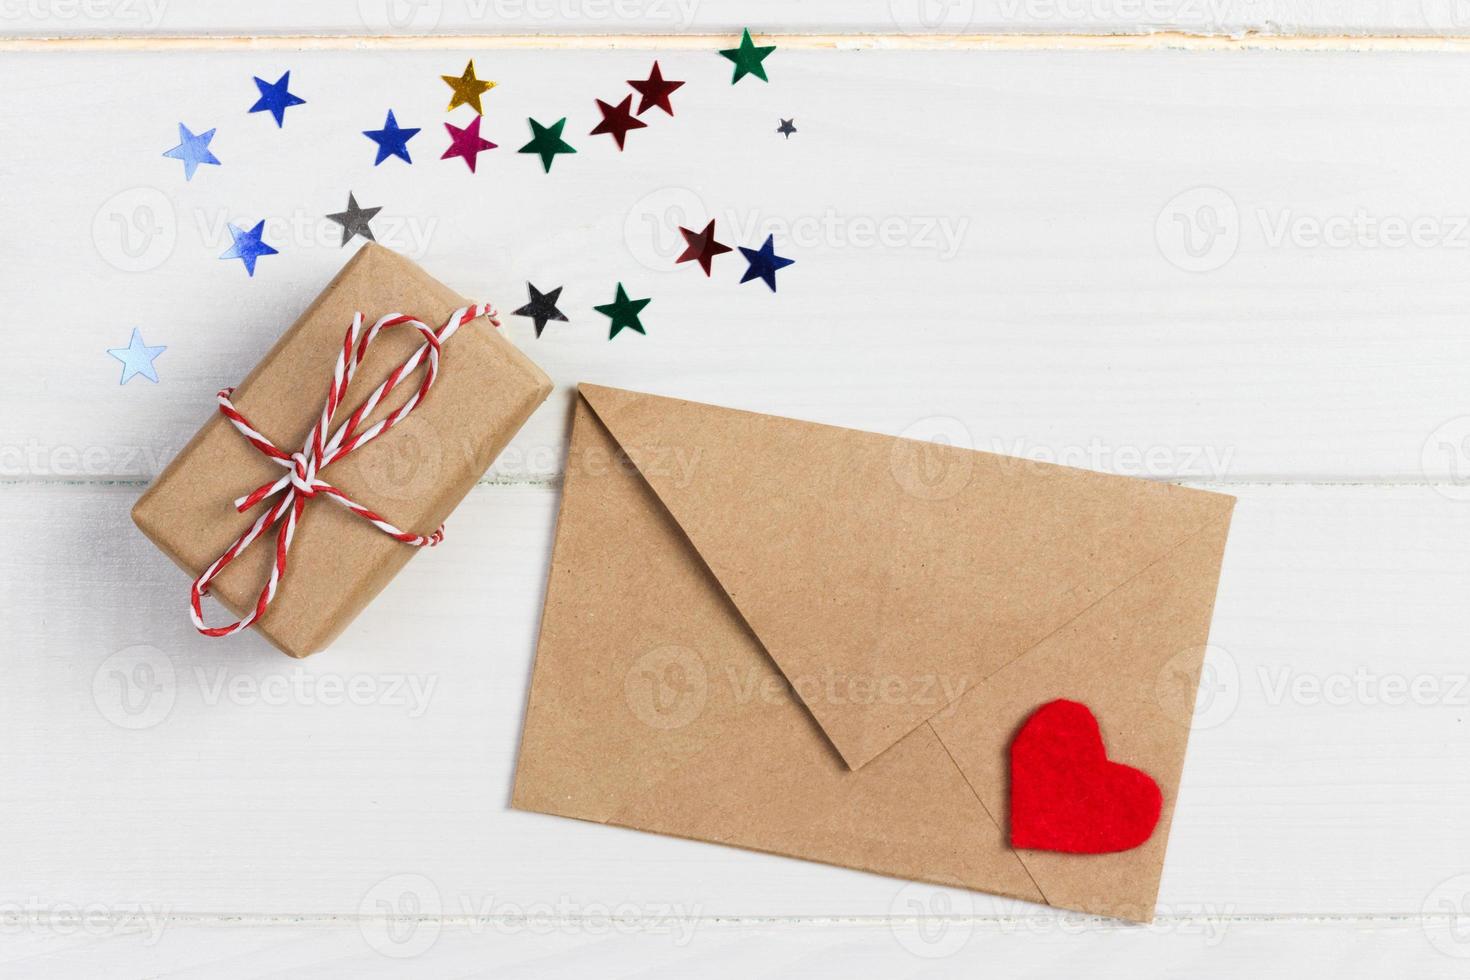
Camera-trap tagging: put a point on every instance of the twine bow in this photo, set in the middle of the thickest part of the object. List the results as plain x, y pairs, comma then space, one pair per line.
302, 481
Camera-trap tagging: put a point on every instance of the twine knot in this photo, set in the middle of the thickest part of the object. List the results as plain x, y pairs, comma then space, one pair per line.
302, 481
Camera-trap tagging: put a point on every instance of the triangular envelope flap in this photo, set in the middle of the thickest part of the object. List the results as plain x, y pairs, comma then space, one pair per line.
886, 576
1135, 661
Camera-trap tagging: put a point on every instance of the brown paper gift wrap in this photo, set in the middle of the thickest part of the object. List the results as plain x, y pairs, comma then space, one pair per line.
414, 475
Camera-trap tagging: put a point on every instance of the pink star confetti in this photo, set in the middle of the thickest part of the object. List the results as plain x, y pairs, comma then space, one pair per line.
466, 142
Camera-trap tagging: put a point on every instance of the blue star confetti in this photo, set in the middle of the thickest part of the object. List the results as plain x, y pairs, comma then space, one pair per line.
248, 247
392, 140
137, 358
764, 262
193, 150
276, 98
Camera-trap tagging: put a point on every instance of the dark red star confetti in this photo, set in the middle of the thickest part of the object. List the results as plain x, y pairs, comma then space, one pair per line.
617, 120
702, 247
655, 91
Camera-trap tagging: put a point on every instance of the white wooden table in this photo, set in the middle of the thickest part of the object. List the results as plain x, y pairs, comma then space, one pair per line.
1247, 270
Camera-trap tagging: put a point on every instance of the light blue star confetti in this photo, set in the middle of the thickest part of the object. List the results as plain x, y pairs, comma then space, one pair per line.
248, 247
193, 150
137, 358
276, 98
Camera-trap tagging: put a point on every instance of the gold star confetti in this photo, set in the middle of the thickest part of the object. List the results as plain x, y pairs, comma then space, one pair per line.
467, 88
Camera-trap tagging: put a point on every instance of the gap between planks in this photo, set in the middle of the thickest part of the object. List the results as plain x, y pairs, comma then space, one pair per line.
554, 481
1142, 41
256, 919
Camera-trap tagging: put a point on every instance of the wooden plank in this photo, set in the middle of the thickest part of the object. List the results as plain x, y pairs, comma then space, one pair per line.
986, 247
150, 767
511, 948
416, 17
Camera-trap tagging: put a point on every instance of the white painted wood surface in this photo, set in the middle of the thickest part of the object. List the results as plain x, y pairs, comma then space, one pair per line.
82, 18
183, 807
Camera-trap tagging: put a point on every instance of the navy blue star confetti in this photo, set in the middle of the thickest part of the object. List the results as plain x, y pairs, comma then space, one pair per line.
542, 307
137, 359
193, 150
276, 98
787, 127
392, 140
248, 246
764, 262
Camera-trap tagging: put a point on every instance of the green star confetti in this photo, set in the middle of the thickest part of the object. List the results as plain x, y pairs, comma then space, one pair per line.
623, 312
547, 142
748, 58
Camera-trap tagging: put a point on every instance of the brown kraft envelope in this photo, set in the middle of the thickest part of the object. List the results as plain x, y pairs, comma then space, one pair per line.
819, 642
414, 475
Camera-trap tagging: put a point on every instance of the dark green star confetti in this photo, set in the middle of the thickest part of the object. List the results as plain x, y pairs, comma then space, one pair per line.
542, 307
623, 312
547, 142
748, 58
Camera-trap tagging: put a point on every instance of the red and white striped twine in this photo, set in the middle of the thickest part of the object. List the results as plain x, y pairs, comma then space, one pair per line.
302, 482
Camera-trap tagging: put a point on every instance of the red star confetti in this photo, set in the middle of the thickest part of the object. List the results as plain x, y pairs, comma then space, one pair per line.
617, 120
701, 246
654, 91
466, 142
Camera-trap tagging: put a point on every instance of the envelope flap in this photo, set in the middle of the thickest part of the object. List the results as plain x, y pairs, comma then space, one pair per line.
885, 576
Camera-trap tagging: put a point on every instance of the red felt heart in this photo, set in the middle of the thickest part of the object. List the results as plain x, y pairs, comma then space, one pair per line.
1067, 796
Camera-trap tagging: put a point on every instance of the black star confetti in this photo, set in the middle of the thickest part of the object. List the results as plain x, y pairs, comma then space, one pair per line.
786, 128
354, 220
542, 307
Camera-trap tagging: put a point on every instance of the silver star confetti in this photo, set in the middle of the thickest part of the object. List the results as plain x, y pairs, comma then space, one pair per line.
354, 220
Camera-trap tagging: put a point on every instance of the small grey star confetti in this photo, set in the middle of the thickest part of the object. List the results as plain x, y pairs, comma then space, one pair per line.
354, 220
542, 307
786, 128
